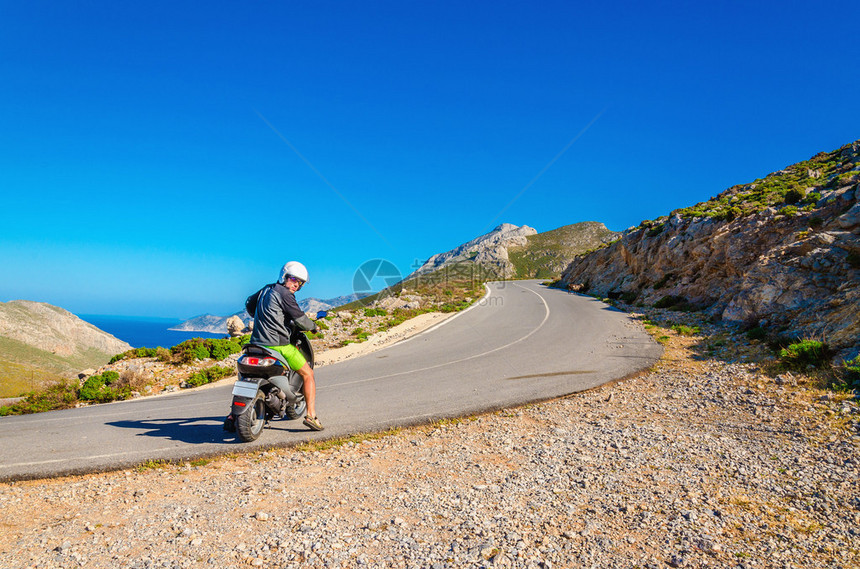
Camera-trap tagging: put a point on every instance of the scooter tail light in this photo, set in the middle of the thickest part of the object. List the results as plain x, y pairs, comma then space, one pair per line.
255, 361
238, 403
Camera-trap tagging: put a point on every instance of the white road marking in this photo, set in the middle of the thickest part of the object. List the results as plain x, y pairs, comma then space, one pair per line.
187, 405
508, 345
110, 455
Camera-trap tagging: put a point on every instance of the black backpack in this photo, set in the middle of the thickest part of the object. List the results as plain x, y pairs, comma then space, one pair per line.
251, 301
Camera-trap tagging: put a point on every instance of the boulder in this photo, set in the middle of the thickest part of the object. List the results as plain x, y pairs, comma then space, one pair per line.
235, 326
851, 218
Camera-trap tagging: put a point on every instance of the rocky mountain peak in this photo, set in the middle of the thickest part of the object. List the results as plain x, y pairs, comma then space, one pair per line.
489, 250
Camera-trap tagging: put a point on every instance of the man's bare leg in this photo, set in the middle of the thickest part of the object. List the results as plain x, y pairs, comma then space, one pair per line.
309, 389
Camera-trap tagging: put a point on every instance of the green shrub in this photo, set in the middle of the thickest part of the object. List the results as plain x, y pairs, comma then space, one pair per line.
733, 213
188, 348
361, 333
793, 196
163, 354
208, 375
628, 296
846, 377
93, 388
674, 302
851, 373
321, 324
662, 282
201, 349
220, 349
811, 198
136, 353
370, 312
757, 333
655, 230
98, 388
800, 355
455, 306
789, 211
201, 352
683, 330
401, 315
57, 396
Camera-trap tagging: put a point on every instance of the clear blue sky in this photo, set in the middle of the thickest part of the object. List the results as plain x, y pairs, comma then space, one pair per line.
166, 158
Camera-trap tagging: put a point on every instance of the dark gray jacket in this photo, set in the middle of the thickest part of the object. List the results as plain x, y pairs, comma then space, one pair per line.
273, 307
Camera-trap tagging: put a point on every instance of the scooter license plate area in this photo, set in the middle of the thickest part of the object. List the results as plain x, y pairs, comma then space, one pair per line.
245, 389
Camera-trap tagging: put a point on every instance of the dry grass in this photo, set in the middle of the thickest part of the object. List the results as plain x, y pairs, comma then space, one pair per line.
17, 379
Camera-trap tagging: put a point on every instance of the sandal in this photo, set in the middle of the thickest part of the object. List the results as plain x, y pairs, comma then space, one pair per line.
313, 423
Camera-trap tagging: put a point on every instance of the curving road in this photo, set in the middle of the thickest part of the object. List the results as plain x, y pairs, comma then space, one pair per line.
522, 343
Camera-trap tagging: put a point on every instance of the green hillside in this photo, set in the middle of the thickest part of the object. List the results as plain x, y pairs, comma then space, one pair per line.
449, 289
547, 254
24, 368
40, 343
796, 188
455, 285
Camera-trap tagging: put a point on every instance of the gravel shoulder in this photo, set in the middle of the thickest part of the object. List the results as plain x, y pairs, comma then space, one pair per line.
700, 462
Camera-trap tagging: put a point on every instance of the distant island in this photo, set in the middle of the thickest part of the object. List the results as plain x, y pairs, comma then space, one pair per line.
218, 324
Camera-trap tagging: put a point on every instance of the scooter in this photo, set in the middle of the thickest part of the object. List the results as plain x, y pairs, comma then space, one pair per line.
266, 388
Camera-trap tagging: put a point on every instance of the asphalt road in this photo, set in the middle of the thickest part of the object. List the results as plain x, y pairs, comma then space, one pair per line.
522, 343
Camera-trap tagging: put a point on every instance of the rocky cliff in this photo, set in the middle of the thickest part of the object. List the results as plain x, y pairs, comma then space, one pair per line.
781, 252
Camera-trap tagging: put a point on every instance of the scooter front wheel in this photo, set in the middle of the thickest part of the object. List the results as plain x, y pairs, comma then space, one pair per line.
250, 424
294, 411
300, 407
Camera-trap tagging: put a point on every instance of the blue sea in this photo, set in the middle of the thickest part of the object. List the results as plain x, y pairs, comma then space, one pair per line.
144, 332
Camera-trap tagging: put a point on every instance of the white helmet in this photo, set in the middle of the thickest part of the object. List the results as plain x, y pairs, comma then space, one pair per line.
293, 269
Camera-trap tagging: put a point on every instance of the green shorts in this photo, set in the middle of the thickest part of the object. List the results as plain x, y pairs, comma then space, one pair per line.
294, 357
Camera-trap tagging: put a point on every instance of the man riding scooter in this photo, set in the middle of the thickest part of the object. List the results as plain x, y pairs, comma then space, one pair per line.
273, 307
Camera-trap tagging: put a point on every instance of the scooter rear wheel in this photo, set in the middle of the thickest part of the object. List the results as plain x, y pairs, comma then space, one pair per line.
250, 424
